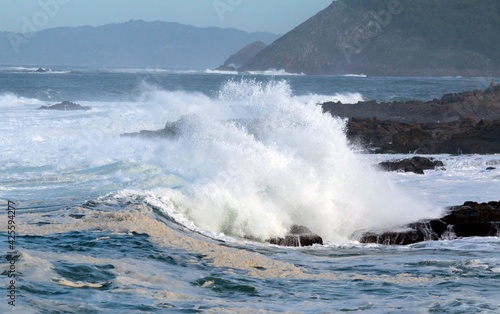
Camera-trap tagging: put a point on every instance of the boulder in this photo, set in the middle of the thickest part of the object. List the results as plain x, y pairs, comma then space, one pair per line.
416, 165
170, 131
468, 220
65, 106
297, 236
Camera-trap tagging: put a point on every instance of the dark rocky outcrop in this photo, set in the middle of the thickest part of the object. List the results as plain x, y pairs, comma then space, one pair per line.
391, 37
465, 136
41, 70
415, 164
170, 131
462, 123
65, 106
297, 236
476, 104
468, 220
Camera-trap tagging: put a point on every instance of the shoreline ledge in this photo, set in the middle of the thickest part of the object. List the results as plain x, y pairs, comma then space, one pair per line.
471, 219
461, 123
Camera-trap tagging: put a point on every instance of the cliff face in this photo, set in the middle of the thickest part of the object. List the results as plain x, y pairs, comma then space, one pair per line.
244, 55
391, 37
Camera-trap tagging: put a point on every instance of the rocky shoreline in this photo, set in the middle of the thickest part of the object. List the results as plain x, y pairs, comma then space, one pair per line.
468, 220
471, 219
462, 123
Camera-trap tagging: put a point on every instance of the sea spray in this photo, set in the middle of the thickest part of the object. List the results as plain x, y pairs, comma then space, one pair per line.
248, 162
278, 161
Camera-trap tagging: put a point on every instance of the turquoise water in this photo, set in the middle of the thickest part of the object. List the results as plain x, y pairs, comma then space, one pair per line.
107, 224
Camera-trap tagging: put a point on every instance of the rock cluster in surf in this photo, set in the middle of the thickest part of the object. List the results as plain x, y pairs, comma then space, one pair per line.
170, 131
65, 106
415, 164
468, 220
297, 236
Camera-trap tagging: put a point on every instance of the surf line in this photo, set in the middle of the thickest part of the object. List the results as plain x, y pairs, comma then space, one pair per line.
12, 253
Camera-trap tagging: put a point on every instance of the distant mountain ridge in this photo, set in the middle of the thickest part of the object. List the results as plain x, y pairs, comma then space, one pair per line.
132, 44
391, 37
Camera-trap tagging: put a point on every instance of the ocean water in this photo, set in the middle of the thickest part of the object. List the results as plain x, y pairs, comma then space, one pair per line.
109, 224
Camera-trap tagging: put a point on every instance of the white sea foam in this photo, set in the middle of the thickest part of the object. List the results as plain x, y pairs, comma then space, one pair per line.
345, 98
274, 72
284, 162
13, 100
33, 70
354, 75
210, 71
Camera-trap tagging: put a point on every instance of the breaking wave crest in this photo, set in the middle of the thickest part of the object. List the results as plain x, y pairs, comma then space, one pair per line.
256, 160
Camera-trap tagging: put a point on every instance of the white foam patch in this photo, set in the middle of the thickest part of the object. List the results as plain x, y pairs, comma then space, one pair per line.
77, 284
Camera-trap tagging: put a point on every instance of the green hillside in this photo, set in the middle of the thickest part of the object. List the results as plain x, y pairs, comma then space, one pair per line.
392, 37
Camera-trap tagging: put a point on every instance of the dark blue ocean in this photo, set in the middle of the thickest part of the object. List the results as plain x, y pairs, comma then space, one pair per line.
111, 224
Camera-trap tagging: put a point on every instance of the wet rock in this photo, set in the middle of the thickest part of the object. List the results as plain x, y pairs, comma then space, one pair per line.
297, 236
491, 168
475, 104
425, 230
468, 220
464, 136
65, 106
416, 165
170, 131
41, 70
463, 123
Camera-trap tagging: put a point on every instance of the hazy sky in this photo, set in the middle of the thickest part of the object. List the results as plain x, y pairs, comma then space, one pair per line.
276, 16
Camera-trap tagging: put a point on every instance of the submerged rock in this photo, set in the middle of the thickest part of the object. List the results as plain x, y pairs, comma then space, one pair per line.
65, 106
416, 165
297, 236
468, 220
